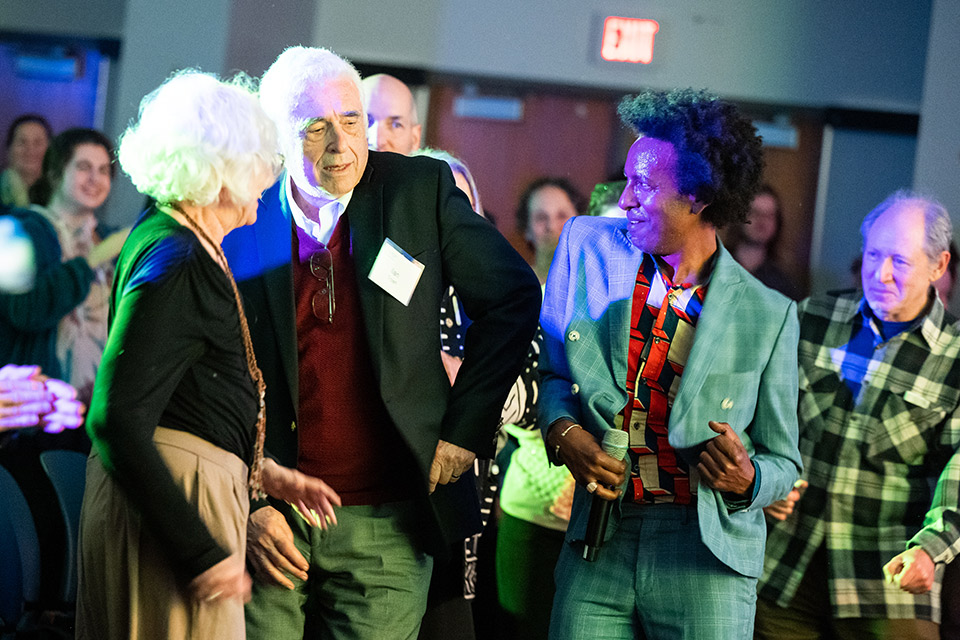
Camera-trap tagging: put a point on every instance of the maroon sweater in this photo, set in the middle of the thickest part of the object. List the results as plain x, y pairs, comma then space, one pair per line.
346, 435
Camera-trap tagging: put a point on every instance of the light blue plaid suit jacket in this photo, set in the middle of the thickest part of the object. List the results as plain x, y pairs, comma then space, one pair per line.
742, 369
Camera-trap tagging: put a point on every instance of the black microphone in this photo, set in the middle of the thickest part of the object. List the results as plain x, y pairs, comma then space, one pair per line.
614, 445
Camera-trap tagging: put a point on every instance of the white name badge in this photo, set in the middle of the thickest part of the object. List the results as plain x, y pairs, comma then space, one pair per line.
396, 272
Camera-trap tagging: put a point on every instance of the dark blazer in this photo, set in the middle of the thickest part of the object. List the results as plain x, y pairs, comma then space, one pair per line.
415, 203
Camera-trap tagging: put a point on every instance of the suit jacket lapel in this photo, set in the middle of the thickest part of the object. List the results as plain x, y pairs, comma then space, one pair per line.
365, 216
622, 282
723, 292
274, 247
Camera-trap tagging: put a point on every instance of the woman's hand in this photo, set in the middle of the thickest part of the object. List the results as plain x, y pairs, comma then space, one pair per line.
311, 497
226, 579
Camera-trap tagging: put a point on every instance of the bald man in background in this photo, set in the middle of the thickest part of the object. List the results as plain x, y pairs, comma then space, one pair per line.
392, 122
392, 125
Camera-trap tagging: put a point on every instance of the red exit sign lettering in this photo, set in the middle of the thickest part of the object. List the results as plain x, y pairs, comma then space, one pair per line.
628, 39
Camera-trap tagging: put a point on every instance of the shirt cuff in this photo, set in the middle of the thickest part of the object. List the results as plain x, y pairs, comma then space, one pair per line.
736, 502
930, 540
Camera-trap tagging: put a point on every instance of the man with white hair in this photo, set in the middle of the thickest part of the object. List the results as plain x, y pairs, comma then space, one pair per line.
392, 119
342, 276
860, 545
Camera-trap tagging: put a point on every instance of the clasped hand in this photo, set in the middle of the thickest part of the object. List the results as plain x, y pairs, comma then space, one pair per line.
913, 571
724, 463
29, 398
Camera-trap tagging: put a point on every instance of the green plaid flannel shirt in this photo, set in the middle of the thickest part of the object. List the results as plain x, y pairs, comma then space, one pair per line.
883, 467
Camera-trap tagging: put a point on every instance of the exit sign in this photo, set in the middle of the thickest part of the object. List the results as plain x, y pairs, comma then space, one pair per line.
628, 39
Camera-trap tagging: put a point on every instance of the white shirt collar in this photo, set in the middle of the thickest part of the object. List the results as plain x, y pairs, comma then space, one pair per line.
327, 217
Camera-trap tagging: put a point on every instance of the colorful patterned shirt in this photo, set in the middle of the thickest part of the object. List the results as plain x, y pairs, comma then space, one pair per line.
880, 457
662, 325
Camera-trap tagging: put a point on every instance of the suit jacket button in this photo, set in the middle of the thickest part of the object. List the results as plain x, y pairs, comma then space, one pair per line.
574, 388
573, 336
726, 404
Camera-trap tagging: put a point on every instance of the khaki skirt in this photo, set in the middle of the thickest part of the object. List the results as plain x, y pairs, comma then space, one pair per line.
127, 589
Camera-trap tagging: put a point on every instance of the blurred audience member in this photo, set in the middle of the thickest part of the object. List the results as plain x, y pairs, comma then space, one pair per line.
860, 545
28, 326
29, 319
453, 323
545, 205
604, 200
535, 502
532, 523
755, 243
536, 497
165, 508
392, 122
950, 587
447, 615
78, 171
27, 140
461, 174
18, 267
945, 284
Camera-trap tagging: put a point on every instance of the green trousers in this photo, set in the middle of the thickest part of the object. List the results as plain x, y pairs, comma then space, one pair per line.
367, 579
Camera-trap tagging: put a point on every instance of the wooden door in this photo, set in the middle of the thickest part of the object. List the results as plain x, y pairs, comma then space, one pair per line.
557, 135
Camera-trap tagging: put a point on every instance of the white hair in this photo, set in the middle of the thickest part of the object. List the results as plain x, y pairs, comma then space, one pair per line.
196, 136
294, 73
456, 166
937, 228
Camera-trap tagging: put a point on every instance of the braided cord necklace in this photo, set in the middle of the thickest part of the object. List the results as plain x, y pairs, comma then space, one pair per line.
256, 472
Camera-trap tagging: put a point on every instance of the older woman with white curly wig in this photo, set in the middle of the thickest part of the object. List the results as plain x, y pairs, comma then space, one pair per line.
177, 414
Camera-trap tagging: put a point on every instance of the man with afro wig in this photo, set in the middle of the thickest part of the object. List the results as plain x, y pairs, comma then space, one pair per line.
652, 328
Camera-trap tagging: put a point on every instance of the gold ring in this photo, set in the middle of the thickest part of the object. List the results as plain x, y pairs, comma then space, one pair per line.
591, 487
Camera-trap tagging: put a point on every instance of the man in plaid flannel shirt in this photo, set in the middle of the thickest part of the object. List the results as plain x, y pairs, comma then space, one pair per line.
859, 546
